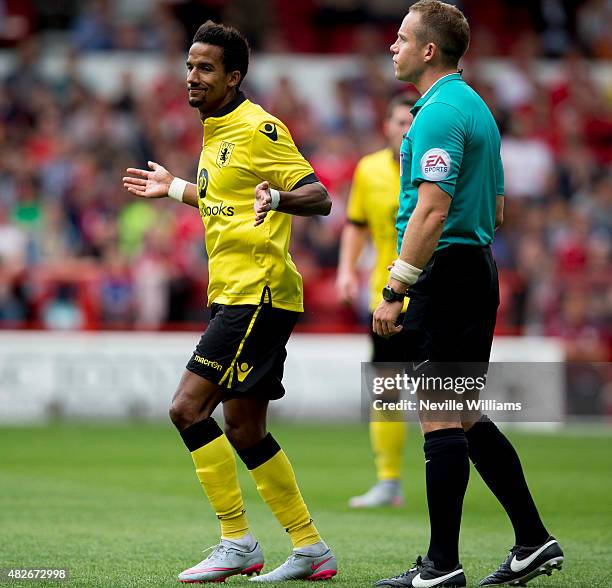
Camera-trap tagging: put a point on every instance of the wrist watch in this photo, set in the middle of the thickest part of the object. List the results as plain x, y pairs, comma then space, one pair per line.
390, 295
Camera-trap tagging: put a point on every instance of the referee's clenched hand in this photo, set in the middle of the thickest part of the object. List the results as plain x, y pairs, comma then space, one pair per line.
385, 317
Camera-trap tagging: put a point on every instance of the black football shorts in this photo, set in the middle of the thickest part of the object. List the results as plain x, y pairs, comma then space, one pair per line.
453, 306
243, 349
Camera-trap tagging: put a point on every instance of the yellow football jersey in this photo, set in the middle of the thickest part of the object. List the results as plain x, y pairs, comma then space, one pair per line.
244, 145
374, 201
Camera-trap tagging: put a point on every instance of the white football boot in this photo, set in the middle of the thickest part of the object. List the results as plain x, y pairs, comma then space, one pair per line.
383, 493
314, 562
229, 558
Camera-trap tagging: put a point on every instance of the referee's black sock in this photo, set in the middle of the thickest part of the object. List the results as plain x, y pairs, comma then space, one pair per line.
447, 470
500, 467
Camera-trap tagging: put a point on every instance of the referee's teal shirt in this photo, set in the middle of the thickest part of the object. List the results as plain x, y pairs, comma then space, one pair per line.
454, 143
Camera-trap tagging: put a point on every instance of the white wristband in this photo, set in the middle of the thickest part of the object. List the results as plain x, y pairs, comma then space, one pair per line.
275, 194
404, 272
177, 188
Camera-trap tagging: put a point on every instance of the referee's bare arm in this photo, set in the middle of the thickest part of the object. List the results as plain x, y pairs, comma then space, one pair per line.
418, 245
424, 227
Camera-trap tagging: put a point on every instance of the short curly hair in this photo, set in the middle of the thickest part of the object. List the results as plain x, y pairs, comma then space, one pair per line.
234, 44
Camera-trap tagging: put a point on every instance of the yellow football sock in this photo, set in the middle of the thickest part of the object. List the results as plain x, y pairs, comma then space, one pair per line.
215, 465
278, 487
388, 440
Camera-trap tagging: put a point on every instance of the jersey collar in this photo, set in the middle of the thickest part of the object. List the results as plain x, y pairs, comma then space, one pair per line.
230, 106
426, 95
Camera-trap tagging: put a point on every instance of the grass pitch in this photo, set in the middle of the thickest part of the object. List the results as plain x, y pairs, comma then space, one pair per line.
119, 505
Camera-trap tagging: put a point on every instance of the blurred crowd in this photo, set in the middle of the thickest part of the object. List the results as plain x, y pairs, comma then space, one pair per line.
77, 251
316, 26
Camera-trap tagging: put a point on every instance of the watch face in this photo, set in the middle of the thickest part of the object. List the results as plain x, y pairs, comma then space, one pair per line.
391, 296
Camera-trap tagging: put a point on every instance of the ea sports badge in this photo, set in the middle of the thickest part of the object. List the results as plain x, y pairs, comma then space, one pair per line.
436, 165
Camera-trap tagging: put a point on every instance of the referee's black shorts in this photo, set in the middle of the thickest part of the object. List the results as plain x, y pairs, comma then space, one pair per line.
453, 305
396, 349
243, 349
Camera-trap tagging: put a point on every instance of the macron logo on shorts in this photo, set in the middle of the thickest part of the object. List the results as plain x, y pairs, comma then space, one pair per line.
208, 362
436, 165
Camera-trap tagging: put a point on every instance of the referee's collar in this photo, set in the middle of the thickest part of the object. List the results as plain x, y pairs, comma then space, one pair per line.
426, 95
230, 106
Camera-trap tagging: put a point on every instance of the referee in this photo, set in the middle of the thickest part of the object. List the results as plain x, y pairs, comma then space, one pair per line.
451, 200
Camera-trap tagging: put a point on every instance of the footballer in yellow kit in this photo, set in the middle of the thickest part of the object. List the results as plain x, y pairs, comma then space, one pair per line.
243, 144
371, 212
251, 179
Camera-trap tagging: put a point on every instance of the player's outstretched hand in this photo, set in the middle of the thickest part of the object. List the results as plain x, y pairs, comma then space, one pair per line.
262, 204
148, 184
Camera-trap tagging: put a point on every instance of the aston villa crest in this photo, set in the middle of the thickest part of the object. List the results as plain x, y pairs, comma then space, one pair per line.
225, 153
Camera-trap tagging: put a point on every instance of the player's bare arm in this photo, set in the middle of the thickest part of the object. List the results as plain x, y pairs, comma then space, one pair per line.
352, 242
155, 183
308, 200
418, 245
